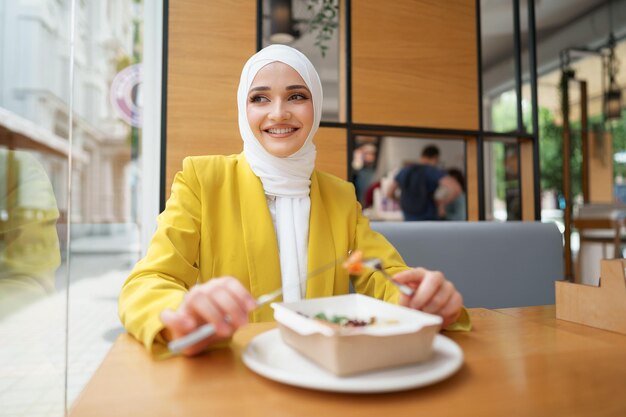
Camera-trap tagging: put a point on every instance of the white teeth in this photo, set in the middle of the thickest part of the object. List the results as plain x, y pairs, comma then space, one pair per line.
281, 131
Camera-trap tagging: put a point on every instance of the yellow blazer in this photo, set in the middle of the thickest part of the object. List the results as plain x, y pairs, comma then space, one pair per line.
217, 223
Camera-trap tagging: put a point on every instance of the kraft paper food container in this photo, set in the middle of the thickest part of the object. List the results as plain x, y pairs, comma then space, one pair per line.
400, 336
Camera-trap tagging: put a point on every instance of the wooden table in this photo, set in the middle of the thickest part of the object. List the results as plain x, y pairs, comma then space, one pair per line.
518, 362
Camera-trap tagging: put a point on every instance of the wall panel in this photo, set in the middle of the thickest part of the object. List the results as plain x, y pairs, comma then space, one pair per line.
332, 151
209, 42
414, 63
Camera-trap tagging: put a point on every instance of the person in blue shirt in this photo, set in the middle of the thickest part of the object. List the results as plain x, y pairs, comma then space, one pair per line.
425, 190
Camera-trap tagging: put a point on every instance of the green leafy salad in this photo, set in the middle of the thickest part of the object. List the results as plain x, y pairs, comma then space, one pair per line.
345, 321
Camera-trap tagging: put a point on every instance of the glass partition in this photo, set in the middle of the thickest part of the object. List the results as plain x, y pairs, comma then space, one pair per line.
70, 138
34, 150
107, 134
378, 160
502, 185
497, 63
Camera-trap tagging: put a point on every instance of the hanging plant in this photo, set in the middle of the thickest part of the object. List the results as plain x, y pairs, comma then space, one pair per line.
324, 22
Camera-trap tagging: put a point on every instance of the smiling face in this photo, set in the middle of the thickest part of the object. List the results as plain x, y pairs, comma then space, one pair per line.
279, 109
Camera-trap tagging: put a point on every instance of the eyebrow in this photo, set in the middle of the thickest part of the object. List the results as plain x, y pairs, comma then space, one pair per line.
262, 88
297, 87
288, 88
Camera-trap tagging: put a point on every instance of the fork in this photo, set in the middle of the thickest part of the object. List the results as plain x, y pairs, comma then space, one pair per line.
208, 329
377, 264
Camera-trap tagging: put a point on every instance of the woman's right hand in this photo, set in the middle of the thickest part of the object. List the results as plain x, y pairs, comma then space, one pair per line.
223, 302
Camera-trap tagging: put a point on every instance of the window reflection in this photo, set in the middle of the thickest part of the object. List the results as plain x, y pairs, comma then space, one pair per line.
29, 245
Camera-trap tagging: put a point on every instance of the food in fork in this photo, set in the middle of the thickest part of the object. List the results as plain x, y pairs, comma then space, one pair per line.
354, 263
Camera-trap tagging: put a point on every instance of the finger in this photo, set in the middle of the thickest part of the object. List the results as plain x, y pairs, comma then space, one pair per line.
412, 277
452, 310
237, 289
440, 299
177, 324
404, 300
181, 324
202, 307
229, 306
241, 294
429, 286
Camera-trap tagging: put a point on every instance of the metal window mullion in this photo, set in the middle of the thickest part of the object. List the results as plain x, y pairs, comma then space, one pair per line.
480, 169
517, 44
532, 68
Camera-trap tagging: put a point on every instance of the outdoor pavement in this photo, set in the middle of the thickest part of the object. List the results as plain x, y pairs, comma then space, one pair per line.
36, 339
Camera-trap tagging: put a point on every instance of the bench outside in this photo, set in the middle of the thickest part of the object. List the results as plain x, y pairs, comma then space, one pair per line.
494, 265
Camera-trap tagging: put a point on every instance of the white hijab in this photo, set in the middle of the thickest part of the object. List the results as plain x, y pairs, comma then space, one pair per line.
289, 178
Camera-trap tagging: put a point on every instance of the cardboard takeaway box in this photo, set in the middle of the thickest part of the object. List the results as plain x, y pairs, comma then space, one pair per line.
400, 335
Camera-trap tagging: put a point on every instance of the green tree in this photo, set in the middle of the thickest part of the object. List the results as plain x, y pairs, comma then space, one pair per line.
504, 119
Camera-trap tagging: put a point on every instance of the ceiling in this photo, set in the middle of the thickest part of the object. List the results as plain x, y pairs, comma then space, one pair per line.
551, 16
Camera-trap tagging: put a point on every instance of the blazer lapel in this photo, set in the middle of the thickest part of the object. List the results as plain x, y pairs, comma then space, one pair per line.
261, 246
321, 250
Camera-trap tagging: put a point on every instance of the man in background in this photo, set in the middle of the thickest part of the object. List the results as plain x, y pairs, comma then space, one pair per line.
425, 190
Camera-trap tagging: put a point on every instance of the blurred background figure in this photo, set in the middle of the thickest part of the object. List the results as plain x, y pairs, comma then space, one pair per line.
425, 189
457, 208
29, 244
364, 166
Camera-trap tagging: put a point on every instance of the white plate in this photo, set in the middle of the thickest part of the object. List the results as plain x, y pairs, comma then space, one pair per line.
270, 357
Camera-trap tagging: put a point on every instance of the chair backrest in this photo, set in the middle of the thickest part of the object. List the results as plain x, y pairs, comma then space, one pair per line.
494, 265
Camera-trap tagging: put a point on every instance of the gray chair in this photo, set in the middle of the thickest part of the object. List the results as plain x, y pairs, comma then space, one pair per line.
494, 265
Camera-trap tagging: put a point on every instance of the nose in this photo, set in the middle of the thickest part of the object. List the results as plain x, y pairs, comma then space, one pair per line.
279, 111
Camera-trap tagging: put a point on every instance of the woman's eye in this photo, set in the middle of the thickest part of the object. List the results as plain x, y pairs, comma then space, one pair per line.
298, 96
258, 99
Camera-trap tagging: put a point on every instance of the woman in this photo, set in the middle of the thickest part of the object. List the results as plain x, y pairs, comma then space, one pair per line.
236, 227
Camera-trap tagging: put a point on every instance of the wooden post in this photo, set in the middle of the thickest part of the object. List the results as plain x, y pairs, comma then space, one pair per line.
471, 178
584, 135
527, 179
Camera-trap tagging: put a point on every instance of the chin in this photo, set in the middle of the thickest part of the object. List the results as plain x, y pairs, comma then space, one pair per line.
281, 154
280, 151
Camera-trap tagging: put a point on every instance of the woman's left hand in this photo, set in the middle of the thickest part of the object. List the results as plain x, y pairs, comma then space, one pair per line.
433, 294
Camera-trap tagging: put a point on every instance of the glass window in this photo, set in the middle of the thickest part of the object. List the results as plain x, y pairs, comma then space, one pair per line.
66, 244
34, 149
313, 28
378, 161
498, 65
502, 180
105, 180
